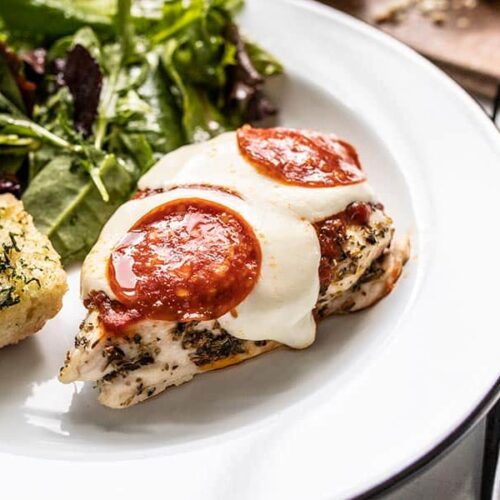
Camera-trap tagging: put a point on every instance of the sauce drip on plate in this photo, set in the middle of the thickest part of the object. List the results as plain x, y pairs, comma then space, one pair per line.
300, 157
187, 260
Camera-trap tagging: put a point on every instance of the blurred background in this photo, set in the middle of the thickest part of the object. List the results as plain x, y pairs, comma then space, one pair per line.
460, 36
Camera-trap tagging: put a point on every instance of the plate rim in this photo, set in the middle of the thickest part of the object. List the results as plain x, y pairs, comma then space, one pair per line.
441, 449
492, 396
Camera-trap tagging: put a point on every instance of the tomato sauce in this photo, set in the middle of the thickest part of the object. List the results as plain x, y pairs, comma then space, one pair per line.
187, 260
332, 236
300, 157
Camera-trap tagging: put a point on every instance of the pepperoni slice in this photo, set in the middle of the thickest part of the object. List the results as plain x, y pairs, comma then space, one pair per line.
187, 260
300, 157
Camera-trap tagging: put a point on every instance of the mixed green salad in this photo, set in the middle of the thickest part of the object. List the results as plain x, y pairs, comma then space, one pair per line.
93, 92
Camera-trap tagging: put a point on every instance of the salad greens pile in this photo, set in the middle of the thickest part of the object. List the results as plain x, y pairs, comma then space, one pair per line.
93, 92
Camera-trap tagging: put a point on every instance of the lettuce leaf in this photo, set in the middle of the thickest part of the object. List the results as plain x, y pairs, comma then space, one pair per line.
67, 206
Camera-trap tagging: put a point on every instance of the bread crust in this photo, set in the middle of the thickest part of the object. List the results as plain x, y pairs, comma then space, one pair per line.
32, 280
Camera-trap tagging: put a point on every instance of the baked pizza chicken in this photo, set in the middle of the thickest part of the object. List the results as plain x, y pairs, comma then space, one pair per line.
231, 248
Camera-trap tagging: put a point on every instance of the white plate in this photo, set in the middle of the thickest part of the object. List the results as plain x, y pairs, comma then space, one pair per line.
378, 390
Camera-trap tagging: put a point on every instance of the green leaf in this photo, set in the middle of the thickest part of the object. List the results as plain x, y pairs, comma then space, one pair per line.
176, 17
125, 28
149, 111
94, 170
11, 164
14, 140
200, 117
138, 149
8, 86
264, 62
85, 37
163, 121
27, 128
14, 150
231, 6
88, 39
67, 207
199, 30
56, 18
8, 107
39, 159
56, 115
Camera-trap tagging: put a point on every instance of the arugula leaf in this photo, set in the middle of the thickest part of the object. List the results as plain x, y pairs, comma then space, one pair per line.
137, 113
202, 48
56, 115
160, 122
110, 93
27, 128
146, 123
200, 118
67, 207
196, 55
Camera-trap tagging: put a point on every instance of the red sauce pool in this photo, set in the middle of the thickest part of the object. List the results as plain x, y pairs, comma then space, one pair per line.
300, 157
186, 260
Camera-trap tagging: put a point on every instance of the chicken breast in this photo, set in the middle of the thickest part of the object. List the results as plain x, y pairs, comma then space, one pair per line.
154, 355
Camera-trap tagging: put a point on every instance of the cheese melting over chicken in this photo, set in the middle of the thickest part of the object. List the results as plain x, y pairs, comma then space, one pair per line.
219, 162
280, 305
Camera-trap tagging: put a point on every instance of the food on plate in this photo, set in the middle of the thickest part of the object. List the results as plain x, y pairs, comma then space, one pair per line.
230, 248
32, 281
92, 94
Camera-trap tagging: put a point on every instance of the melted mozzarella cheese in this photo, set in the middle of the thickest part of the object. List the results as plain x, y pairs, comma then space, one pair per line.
280, 305
219, 162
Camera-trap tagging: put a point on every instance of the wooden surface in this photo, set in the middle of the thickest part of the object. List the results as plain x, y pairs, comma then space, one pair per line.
470, 53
